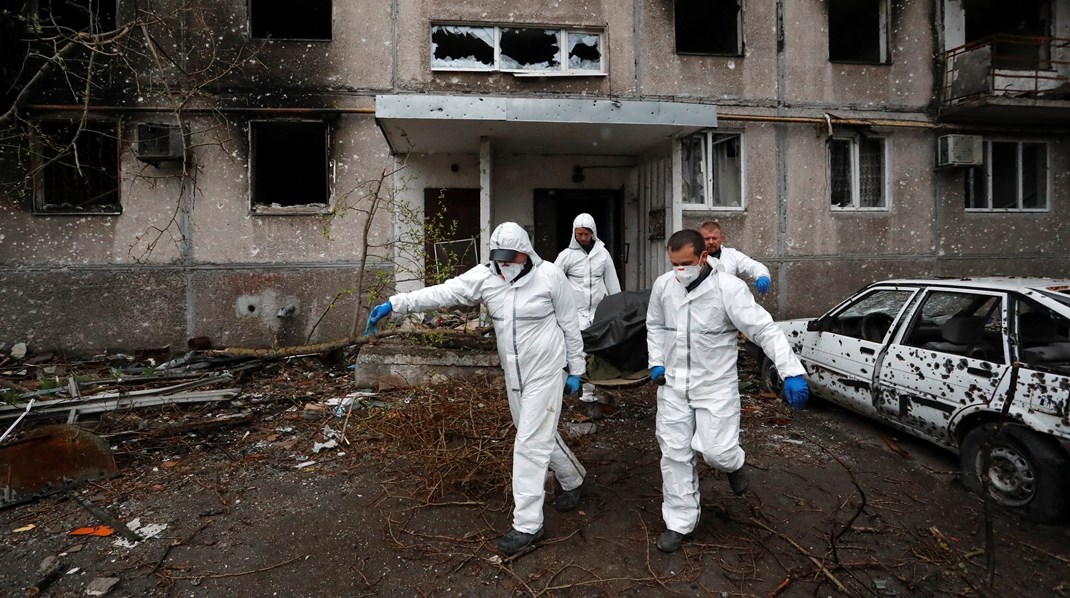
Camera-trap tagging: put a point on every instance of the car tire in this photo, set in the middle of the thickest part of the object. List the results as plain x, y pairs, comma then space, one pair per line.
1029, 473
770, 380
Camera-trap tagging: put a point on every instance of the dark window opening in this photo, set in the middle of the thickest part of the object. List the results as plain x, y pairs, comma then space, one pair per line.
584, 51
857, 31
708, 27
462, 47
530, 49
84, 15
283, 19
1028, 18
840, 171
1014, 177
77, 170
289, 164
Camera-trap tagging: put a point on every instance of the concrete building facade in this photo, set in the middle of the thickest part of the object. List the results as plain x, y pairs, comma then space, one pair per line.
837, 142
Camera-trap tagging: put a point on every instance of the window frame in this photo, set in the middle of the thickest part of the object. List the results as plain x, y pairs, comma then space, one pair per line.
264, 209
707, 204
563, 33
40, 164
985, 169
740, 42
884, 14
854, 149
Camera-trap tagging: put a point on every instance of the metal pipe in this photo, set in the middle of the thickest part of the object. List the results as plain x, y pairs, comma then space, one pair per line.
257, 110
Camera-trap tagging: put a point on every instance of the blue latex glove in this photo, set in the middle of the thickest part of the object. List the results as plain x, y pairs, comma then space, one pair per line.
572, 384
762, 284
796, 392
657, 374
381, 311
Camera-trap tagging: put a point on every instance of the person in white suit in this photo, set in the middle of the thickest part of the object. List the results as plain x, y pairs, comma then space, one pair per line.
538, 334
733, 261
693, 321
591, 274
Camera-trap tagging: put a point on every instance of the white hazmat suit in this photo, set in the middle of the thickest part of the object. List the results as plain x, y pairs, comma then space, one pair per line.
736, 263
693, 335
591, 274
538, 335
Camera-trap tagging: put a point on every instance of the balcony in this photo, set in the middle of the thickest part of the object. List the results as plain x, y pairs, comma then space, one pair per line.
1009, 79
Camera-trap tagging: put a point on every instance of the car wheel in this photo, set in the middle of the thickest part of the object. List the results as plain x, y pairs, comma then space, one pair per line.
770, 379
1028, 473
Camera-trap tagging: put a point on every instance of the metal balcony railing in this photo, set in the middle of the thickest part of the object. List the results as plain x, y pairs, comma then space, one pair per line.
1017, 66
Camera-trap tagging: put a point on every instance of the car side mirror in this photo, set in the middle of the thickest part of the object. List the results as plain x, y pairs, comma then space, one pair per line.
814, 325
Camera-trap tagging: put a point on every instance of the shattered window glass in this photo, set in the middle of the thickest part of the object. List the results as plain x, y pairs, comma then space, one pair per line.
584, 51
462, 47
529, 49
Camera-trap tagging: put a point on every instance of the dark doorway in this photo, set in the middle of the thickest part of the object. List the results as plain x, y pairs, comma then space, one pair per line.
451, 232
555, 209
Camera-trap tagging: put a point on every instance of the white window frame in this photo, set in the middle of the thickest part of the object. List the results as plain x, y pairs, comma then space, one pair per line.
563, 70
707, 204
986, 175
855, 160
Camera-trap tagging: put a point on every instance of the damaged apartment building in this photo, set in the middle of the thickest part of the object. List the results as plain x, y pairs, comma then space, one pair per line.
249, 171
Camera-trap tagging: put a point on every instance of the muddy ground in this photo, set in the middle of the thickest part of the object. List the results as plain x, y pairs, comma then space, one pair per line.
411, 505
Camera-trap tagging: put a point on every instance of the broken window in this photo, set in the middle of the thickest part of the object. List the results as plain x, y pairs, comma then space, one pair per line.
86, 15
520, 50
964, 324
1013, 177
709, 27
76, 167
529, 49
856, 177
289, 164
858, 31
869, 318
461, 47
1016, 22
712, 170
282, 19
584, 51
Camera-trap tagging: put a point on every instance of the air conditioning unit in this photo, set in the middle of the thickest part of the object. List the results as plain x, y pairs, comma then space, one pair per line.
959, 150
155, 143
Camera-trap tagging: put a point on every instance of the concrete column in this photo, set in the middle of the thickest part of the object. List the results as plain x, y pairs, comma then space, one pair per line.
486, 164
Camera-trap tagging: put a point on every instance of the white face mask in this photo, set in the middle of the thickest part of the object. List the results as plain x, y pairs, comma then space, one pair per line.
686, 274
510, 271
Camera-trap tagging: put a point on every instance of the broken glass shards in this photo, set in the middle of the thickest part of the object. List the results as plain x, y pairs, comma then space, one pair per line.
530, 49
462, 47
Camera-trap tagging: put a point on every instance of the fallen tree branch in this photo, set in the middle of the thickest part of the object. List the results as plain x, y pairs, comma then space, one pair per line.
821, 567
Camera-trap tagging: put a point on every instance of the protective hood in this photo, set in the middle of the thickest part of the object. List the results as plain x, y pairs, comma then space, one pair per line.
585, 221
509, 235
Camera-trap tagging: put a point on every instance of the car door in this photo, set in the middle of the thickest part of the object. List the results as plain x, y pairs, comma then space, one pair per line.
840, 349
952, 355
1042, 346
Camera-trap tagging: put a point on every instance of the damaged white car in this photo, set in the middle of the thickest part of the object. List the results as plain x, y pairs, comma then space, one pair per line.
981, 366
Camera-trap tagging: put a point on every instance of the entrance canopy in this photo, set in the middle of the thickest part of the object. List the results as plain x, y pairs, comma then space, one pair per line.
429, 124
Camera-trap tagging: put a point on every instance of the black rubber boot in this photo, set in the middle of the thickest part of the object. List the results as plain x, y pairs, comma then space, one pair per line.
670, 541
570, 499
515, 541
738, 480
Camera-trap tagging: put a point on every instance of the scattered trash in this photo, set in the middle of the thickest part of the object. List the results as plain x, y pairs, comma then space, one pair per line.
12, 427
105, 516
51, 459
24, 528
319, 446
101, 586
142, 533
304, 464
883, 587
100, 530
18, 351
51, 568
314, 411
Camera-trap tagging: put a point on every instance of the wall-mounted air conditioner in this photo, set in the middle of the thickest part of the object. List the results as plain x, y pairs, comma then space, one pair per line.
155, 143
960, 150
